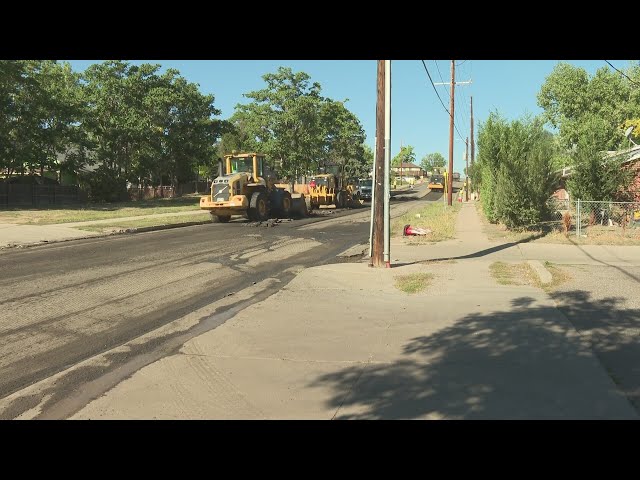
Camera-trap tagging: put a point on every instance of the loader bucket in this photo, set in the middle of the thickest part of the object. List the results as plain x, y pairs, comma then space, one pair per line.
298, 206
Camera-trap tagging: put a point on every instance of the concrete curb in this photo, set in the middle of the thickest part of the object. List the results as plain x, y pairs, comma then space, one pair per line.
160, 227
543, 274
355, 251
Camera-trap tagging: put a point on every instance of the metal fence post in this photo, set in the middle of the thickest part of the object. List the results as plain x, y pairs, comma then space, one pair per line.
578, 221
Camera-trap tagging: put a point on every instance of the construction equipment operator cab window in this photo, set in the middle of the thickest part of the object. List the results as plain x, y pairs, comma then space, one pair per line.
319, 182
241, 165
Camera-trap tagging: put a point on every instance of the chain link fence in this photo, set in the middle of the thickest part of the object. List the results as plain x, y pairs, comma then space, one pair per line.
595, 219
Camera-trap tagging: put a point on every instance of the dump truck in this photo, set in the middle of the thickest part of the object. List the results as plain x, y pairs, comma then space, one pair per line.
248, 187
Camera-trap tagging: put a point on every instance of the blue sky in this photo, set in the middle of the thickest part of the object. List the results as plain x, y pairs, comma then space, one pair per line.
417, 117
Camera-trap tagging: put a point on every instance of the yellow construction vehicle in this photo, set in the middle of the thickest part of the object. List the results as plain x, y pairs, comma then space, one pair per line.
437, 182
247, 187
325, 189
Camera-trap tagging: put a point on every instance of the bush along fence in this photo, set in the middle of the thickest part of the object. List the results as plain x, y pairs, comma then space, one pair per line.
592, 218
39, 196
16, 195
148, 193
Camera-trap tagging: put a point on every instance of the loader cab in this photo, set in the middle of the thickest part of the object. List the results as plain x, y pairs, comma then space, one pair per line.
327, 181
252, 163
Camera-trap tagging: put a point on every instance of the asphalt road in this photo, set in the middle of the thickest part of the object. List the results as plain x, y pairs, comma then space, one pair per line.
64, 303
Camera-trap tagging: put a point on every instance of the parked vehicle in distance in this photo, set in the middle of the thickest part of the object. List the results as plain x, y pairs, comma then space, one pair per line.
365, 188
456, 176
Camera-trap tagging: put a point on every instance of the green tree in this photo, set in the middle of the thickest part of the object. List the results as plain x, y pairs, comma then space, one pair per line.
297, 128
58, 111
516, 174
343, 139
40, 107
120, 130
570, 98
284, 119
593, 175
369, 157
145, 127
432, 161
13, 82
235, 136
406, 155
186, 127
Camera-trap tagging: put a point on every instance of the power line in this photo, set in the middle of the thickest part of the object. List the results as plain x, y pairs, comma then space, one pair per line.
461, 63
622, 73
458, 115
441, 79
466, 104
434, 88
443, 105
463, 111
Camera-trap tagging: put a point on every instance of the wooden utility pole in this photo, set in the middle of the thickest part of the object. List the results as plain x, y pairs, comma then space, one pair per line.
472, 143
450, 176
377, 253
400, 162
466, 157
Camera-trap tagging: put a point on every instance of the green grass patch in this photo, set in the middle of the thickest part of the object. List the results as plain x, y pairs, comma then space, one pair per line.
523, 274
559, 276
441, 219
498, 231
99, 211
414, 282
514, 274
147, 222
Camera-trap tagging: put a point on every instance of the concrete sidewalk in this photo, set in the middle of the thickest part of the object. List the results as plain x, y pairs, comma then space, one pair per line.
341, 342
13, 234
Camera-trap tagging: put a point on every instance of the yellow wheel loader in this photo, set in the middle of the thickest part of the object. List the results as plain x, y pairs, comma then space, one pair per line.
325, 189
247, 188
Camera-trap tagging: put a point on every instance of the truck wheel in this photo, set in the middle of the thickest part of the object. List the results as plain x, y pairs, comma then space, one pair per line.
258, 207
341, 199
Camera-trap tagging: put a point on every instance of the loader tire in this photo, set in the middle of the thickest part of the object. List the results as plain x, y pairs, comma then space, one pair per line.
258, 207
285, 210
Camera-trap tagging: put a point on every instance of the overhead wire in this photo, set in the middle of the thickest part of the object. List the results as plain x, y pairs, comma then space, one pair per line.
622, 73
443, 105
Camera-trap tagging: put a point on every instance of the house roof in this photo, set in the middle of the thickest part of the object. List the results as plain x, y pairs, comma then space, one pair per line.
633, 156
408, 165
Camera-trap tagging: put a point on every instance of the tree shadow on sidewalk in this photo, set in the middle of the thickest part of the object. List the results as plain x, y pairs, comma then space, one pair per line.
523, 363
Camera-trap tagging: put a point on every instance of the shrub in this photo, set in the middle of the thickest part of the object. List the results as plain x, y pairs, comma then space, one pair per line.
104, 186
517, 174
566, 223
